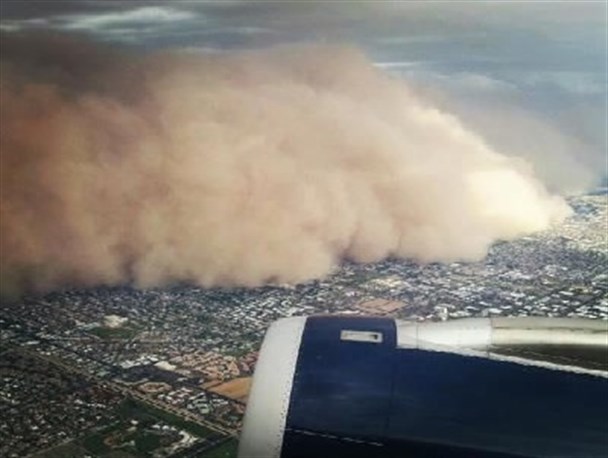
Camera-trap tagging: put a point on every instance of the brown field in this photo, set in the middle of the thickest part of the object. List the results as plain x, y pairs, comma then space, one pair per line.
236, 389
211, 384
380, 306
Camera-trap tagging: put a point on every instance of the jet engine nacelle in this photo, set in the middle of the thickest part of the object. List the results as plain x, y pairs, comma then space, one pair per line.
344, 386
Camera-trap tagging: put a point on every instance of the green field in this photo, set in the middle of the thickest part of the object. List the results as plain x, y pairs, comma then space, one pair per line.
70, 450
226, 450
94, 444
133, 434
140, 411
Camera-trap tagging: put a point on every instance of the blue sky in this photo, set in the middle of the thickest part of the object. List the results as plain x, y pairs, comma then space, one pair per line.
529, 76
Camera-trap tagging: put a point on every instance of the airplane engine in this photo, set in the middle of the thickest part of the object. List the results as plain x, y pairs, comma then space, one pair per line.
350, 386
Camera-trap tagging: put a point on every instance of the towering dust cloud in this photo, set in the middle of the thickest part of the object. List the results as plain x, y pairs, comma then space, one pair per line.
236, 169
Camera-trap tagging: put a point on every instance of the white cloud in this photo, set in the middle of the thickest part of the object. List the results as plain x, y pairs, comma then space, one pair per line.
460, 82
584, 83
10, 27
398, 65
17, 25
412, 39
143, 15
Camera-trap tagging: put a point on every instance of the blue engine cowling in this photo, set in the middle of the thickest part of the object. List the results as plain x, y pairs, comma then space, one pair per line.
343, 386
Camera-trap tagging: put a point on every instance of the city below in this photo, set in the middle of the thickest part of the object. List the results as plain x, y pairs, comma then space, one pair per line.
121, 372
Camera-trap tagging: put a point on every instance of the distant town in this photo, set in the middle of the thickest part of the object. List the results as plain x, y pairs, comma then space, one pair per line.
121, 372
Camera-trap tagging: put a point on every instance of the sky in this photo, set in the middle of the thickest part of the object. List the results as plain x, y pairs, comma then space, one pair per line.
153, 142
537, 67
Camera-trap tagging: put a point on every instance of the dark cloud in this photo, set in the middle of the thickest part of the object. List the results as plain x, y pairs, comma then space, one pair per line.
44, 9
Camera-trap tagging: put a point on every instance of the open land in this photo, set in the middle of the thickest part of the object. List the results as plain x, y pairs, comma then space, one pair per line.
121, 372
